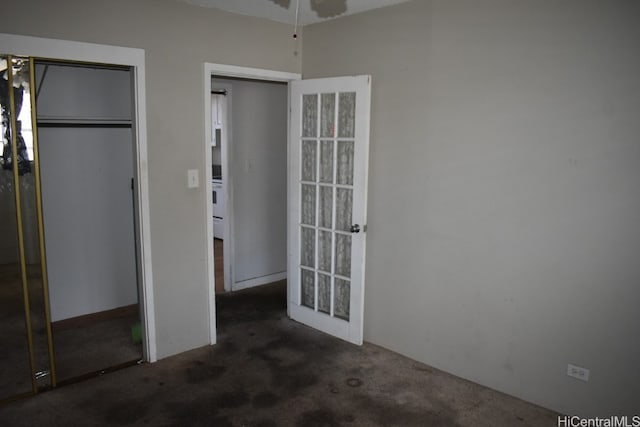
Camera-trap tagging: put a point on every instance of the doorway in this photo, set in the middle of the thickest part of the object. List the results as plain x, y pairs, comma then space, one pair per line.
86, 152
327, 173
31, 275
249, 164
247, 259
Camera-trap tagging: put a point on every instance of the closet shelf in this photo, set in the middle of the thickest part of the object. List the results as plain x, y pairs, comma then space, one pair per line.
92, 122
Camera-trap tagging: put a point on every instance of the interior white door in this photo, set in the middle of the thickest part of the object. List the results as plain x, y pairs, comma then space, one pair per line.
328, 167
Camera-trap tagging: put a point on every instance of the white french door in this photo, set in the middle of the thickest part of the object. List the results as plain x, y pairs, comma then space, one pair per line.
328, 167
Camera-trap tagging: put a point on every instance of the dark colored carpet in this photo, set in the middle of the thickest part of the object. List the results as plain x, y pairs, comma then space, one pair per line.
267, 370
95, 346
82, 349
15, 371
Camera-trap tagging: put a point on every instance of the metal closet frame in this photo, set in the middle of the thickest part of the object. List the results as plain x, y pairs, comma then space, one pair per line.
20, 226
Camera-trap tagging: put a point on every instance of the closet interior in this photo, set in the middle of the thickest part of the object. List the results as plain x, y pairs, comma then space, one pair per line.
69, 305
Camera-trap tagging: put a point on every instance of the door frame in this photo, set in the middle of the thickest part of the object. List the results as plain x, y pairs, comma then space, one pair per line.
225, 70
66, 50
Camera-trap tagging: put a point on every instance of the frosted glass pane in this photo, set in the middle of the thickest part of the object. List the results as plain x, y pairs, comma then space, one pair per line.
342, 299
345, 162
326, 161
347, 115
343, 255
309, 115
308, 247
344, 205
308, 215
307, 279
309, 160
327, 115
324, 251
326, 207
324, 293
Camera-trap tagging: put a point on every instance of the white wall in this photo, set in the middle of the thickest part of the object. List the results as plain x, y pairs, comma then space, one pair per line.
503, 191
258, 168
177, 39
83, 93
88, 219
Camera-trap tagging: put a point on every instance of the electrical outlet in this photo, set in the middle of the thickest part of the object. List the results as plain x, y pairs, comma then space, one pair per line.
578, 372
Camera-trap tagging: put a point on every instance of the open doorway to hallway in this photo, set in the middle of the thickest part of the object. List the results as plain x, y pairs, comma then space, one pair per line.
249, 181
219, 138
253, 168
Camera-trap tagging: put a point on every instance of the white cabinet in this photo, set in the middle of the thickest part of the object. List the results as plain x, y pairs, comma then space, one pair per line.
218, 113
218, 228
218, 208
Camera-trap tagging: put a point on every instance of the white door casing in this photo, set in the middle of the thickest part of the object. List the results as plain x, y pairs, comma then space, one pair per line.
225, 70
328, 170
105, 54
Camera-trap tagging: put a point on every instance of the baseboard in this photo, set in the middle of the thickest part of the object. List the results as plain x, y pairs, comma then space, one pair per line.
263, 280
74, 322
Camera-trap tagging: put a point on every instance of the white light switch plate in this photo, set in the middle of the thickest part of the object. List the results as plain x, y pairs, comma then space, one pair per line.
192, 178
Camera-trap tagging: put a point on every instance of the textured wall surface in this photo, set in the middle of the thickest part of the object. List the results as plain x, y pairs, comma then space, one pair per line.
503, 190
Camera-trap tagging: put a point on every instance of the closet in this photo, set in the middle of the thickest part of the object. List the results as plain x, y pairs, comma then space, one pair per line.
68, 264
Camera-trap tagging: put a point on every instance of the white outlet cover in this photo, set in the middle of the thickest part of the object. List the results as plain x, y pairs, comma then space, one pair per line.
578, 372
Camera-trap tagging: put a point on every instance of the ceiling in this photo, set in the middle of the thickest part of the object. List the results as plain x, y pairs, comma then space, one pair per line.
311, 11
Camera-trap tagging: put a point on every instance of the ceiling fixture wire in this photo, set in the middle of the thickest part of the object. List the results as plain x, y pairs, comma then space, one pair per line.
295, 28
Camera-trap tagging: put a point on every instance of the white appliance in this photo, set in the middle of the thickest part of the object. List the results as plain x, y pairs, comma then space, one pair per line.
218, 112
218, 208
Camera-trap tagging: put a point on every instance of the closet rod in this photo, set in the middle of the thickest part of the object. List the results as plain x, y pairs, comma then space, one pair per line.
85, 125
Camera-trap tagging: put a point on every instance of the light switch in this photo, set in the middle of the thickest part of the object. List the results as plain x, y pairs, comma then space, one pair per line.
192, 178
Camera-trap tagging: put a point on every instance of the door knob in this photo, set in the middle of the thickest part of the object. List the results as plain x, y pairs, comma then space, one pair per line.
355, 228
